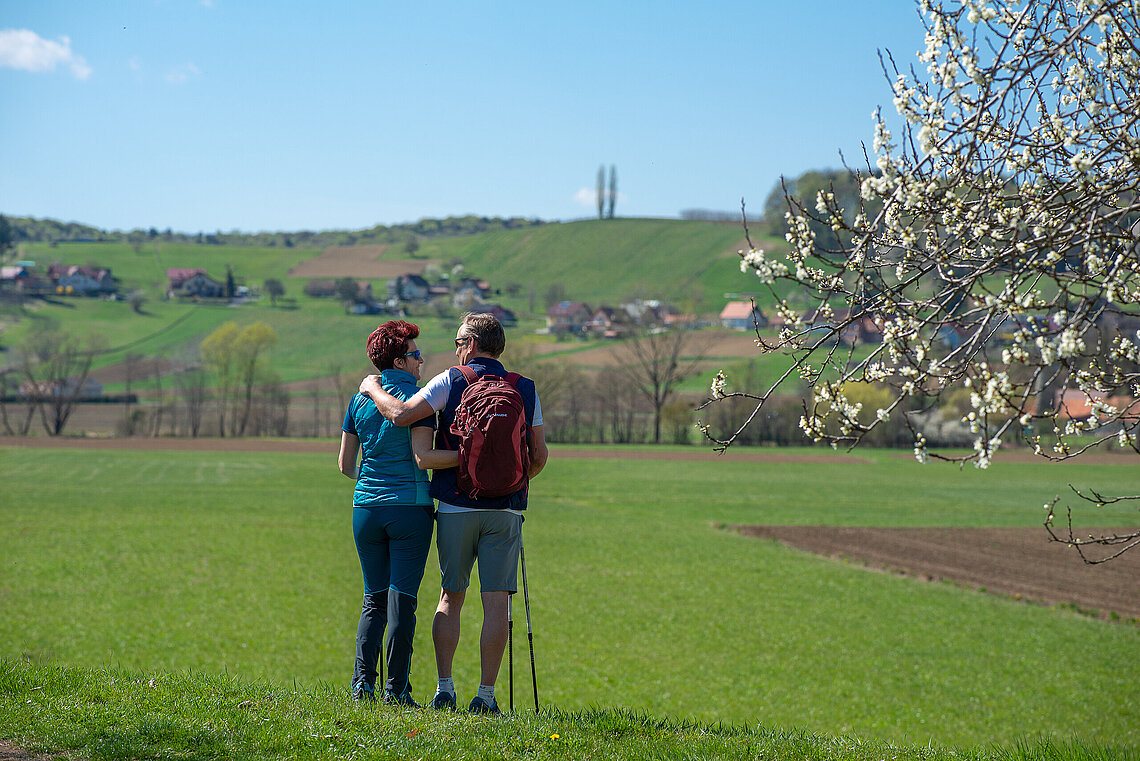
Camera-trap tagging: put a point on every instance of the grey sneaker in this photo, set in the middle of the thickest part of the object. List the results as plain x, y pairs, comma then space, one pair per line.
443, 701
364, 692
478, 705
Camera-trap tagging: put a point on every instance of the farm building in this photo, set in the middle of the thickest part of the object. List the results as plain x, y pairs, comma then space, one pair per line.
409, 287
567, 317
202, 286
17, 277
609, 322
177, 276
742, 315
81, 280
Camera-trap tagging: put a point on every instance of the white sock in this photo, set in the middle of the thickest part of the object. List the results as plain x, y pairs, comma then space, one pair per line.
445, 685
487, 694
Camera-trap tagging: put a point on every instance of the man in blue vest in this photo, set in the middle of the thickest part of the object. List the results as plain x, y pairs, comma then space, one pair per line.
487, 529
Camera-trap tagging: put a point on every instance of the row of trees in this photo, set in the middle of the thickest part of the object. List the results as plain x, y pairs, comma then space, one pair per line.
230, 391
31, 229
233, 380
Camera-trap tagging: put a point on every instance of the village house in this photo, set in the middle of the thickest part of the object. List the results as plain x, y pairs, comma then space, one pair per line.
742, 315
409, 287
18, 277
81, 280
177, 276
672, 317
202, 286
649, 313
861, 330
1074, 404
609, 322
475, 290
567, 317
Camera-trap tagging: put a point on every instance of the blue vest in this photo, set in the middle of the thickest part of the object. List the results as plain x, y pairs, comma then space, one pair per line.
388, 474
444, 483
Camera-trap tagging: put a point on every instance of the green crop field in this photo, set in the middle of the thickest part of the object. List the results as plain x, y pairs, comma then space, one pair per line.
242, 564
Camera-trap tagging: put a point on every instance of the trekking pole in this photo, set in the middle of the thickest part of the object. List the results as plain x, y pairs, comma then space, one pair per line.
529, 632
510, 654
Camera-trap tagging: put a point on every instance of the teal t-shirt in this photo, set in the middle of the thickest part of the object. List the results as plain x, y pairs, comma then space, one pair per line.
388, 474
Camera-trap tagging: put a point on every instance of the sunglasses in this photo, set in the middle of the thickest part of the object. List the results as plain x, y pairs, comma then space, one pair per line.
461, 341
413, 354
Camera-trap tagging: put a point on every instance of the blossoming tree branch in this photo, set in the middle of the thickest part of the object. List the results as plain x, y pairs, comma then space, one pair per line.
994, 246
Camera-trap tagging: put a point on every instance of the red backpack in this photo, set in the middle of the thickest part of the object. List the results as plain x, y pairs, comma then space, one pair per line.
490, 423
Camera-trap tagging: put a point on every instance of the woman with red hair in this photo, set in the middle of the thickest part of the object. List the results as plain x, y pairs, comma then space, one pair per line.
392, 514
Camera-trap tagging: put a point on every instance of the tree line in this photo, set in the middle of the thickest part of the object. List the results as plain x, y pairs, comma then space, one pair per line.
35, 230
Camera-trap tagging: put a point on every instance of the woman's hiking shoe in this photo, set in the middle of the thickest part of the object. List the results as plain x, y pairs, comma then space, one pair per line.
364, 692
401, 700
478, 705
443, 701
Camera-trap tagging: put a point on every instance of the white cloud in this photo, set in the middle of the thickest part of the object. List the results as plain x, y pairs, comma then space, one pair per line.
25, 50
589, 197
586, 197
183, 73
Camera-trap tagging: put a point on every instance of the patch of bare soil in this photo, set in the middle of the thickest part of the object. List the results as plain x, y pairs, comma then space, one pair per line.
361, 262
12, 753
1019, 562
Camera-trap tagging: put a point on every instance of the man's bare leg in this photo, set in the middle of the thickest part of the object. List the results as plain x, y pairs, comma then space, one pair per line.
493, 638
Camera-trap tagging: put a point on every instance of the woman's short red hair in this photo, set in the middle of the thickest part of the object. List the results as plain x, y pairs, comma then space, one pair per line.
389, 342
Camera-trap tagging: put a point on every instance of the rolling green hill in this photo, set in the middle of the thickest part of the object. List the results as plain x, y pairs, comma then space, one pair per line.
691, 263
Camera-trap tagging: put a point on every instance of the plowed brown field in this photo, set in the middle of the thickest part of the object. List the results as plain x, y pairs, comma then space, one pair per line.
1018, 562
362, 262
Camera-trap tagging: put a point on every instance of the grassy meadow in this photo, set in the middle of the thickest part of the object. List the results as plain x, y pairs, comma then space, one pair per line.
241, 566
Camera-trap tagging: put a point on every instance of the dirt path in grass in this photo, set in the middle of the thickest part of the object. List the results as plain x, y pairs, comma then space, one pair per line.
1016, 562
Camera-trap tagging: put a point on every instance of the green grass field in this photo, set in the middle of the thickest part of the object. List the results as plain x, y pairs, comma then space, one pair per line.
243, 564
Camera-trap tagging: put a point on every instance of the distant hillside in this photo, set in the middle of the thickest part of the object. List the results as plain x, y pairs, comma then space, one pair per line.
690, 263
693, 263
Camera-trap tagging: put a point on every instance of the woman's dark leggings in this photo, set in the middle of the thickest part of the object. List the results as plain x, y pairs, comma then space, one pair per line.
393, 544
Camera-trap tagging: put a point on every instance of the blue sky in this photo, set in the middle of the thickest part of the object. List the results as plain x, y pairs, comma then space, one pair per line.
205, 115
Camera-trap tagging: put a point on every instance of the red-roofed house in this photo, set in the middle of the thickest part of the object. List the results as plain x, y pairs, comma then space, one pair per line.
742, 315
179, 275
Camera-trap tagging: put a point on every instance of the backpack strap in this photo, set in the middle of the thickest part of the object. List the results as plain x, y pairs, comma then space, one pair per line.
468, 373
513, 379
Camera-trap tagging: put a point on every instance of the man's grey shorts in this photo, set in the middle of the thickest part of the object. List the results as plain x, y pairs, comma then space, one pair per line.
491, 536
